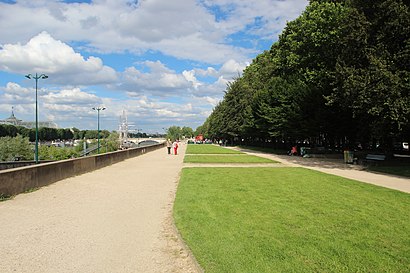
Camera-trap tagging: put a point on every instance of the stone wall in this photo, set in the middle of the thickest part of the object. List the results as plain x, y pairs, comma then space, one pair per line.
18, 180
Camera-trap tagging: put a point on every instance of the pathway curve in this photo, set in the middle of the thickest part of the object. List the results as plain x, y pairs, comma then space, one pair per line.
115, 219
337, 167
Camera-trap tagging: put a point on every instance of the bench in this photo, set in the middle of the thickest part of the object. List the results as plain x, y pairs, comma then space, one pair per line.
374, 158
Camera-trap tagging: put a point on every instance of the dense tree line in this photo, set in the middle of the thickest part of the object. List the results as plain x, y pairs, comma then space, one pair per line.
338, 75
49, 134
19, 147
178, 133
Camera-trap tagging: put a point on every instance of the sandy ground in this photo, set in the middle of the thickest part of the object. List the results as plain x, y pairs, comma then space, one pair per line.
116, 219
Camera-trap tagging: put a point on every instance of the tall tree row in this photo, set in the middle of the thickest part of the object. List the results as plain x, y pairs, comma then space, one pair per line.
338, 75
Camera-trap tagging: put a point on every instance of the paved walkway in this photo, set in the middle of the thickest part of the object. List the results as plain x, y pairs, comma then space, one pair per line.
337, 167
115, 219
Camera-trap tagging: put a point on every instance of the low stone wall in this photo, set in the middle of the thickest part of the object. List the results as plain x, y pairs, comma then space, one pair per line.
18, 180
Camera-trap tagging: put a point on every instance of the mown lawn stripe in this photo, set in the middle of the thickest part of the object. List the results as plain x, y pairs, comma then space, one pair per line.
291, 220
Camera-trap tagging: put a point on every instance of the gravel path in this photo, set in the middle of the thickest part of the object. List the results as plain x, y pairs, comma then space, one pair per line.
116, 219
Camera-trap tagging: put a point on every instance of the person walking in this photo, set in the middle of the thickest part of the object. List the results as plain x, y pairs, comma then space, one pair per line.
169, 145
175, 146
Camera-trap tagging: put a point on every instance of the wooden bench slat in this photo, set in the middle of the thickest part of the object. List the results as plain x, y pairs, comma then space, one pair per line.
375, 157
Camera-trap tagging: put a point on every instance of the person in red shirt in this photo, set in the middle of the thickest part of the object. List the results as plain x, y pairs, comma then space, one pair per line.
294, 151
175, 146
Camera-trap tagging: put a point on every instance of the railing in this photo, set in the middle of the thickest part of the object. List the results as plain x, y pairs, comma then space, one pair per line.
89, 150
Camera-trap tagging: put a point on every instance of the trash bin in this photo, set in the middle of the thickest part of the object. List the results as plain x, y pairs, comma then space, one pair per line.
348, 156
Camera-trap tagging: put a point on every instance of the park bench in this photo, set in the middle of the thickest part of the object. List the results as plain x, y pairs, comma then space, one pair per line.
374, 158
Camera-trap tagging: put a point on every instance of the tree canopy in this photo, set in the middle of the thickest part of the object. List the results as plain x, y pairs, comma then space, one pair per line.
339, 74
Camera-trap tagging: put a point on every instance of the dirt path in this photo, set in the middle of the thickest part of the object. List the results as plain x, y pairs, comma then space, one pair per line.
337, 167
116, 219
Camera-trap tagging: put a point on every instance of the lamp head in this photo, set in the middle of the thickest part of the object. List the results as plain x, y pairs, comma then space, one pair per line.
28, 76
103, 108
44, 76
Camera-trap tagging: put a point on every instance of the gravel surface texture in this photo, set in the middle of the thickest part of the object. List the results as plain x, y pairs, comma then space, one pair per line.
115, 219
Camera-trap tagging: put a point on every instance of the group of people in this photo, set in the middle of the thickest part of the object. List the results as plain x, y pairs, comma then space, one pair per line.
174, 145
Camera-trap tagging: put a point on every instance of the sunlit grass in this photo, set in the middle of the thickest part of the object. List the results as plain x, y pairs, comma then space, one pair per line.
395, 170
291, 220
226, 159
209, 149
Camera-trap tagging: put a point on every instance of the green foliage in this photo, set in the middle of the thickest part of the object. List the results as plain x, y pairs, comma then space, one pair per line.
176, 132
111, 143
276, 110
203, 129
187, 132
15, 147
338, 74
4, 197
56, 153
44, 133
291, 220
8, 130
248, 159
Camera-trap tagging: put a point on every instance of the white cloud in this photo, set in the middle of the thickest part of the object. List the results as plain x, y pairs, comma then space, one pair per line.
65, 97
158, 81
232, 69
72, 108
185, 29
190, 76
215, 39
161, 81
58, 60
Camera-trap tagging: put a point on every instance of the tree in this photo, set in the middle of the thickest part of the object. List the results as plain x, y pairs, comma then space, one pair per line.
276, 111
373, 74
187, 132
111, 143
338, 73
174, 132
57, 153
15, 147
76, 133
8, 130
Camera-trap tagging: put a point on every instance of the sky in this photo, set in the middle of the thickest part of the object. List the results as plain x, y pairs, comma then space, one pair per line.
162, 62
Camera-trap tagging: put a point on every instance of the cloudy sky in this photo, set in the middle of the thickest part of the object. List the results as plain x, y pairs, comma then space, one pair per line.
163, 62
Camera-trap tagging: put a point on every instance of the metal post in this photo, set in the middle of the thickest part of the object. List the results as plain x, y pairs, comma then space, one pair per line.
98, 130
36, 147
98, 126
36, 78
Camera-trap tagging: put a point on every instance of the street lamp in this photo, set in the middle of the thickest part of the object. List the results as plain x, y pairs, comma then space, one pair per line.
36, 77
138, 136
98, 127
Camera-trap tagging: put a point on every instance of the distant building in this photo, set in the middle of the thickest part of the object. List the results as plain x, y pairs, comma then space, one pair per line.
12, 120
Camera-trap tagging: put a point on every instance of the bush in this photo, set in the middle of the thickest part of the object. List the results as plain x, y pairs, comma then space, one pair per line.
12, 148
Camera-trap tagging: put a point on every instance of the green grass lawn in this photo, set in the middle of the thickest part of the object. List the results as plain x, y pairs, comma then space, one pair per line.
242, 158
291, 220
265, 150
209, 149
396, 170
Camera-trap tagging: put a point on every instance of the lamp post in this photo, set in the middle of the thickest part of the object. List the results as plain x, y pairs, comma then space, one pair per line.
98, 126
36, 78
138, 136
